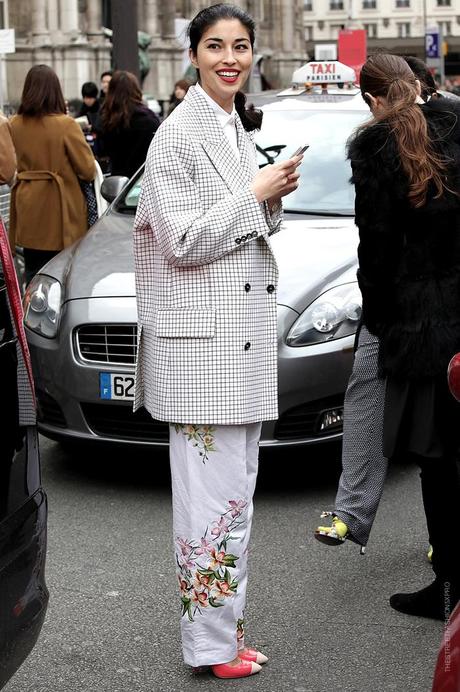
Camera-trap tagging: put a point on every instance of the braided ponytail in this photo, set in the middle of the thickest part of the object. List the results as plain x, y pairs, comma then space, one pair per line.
251, 117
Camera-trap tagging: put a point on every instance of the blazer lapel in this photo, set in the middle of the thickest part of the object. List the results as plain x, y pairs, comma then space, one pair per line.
235, 172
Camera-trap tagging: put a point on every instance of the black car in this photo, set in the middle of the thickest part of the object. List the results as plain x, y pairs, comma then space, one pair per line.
23, 504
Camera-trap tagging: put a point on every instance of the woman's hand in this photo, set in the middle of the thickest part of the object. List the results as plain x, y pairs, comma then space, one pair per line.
276, 180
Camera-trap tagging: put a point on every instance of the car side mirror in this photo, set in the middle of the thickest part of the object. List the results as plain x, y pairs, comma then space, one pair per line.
112, 186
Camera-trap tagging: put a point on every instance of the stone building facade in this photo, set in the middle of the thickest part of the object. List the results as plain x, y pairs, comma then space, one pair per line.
395, 25
69, 36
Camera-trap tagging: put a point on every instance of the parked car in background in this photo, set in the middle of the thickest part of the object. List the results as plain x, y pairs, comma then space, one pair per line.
80, 311
23, 506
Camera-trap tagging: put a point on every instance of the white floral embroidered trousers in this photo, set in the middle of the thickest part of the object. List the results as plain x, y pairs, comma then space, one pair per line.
214, 471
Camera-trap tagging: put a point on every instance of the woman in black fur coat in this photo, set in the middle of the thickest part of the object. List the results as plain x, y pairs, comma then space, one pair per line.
406, 172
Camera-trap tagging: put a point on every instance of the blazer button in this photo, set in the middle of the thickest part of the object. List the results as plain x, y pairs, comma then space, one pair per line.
270, 288
247, 346
237, 241
247, 287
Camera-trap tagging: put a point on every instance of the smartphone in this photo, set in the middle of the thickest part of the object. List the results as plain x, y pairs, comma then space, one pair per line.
300, 151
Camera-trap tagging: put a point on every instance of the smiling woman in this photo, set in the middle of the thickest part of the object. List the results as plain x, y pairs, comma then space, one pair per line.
206, 283
223, 59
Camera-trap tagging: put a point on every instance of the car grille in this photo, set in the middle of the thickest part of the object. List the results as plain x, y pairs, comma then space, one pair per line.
49, 411
119, 421
305, 420
112, 344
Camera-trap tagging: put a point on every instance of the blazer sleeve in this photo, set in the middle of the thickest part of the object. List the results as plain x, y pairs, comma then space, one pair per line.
7, 153
188, 231
273, 217
79, 153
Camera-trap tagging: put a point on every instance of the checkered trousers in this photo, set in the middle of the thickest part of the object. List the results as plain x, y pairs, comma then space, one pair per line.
205, 277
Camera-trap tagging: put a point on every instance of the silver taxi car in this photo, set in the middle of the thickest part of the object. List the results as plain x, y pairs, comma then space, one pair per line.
81, 308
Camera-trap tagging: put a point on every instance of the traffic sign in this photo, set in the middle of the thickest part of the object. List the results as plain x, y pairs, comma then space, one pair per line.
432, 43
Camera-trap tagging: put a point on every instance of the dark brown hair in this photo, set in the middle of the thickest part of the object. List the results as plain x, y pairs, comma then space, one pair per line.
42, 93
390, 76
251, 118
423, 74
183, 84
124, 95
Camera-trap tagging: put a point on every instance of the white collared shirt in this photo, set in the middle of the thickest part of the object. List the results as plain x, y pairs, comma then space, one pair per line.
226, 120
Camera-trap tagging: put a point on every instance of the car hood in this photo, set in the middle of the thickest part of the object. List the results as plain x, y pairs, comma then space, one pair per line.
313, 253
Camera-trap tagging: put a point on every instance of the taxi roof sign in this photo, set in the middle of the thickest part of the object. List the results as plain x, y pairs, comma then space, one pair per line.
323, 72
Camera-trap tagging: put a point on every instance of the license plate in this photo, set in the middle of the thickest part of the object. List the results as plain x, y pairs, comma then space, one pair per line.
113, 385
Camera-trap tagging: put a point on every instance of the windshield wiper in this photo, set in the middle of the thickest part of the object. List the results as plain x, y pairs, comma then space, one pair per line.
275, 149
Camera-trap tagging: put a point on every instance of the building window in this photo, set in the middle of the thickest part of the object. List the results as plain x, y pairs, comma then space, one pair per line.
371, 30
308, 6
369, 4
446, 28
443, 3
402, 3
403, 29
336, 4
308, 33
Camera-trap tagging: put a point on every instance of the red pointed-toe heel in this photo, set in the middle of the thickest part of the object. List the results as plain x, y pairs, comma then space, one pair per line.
248, 654
240, 670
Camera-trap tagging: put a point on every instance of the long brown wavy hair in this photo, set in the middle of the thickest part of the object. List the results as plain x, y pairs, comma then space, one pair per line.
42, 93
390, 76
123, 97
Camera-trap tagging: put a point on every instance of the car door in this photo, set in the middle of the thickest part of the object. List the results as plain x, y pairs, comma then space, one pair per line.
23, 504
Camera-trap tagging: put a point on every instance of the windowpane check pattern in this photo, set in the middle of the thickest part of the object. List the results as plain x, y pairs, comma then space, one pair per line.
206, 276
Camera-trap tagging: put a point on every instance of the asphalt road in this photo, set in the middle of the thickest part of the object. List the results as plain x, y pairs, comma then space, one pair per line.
320, 613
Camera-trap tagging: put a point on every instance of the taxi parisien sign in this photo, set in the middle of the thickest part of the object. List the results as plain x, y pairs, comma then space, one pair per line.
318, 72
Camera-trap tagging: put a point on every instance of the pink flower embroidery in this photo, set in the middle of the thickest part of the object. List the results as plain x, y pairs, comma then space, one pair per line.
184, 545
237, 507
217, 558
205, 547
222, 589
183, 586
221, 526
202, 581
186, 562
200, 598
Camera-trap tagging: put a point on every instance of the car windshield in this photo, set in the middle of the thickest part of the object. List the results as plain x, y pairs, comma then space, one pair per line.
325, 173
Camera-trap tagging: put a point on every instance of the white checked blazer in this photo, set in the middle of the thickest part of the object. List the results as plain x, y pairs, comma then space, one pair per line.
205, 277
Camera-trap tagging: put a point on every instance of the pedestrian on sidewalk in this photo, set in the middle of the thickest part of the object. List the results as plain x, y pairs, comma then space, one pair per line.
406, 172
206, 294
48, 209
180, 89
128, 126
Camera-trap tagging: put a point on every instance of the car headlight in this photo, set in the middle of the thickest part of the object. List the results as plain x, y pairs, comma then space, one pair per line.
42, 305
333, 315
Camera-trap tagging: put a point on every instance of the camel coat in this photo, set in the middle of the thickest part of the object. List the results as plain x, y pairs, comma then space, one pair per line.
48, 209
7, 154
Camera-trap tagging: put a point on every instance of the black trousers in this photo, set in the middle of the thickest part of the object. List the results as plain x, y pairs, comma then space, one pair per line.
441, 499
35, 259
